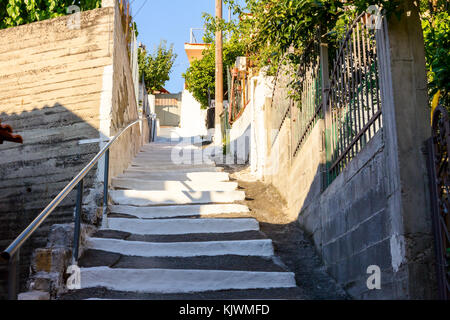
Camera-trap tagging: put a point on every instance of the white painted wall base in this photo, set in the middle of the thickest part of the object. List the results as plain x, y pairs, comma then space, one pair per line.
248, 134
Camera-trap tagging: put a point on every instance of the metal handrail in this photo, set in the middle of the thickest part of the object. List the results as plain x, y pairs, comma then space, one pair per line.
11, 253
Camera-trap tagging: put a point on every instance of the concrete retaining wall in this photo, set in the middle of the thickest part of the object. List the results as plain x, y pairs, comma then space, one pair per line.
64, 91
350, 224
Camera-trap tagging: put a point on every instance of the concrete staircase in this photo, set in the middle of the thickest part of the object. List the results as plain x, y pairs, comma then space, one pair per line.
164, 239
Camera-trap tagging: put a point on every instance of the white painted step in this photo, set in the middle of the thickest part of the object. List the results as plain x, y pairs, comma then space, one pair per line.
151, 198
178, 211
171, 161
262, 248
172, 151
171, 168
178, 154
182, 226
178, 176
182, 281
161, 159
208, 185
168, 163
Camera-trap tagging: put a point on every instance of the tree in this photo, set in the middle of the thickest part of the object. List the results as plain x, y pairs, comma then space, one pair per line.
436, 30
17, 12
268, 28
200, 76
156, 66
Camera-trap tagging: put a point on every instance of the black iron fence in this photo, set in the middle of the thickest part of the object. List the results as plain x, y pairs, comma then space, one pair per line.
306, 95
345, 91
439, 148
353, 100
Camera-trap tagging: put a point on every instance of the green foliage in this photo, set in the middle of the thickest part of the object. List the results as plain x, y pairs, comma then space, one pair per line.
157, 66
436, 32
270, 27
17, 12
200, 76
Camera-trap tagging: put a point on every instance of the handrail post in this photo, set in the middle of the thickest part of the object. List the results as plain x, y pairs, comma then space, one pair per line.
154, 128
13, 264
105, 191
77, 228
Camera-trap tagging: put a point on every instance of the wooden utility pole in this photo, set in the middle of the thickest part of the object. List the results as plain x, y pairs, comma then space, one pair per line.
219, 76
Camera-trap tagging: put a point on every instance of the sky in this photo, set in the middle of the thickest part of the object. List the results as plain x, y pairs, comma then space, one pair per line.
171, 20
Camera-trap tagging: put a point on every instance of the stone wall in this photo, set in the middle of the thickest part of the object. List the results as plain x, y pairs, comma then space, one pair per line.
65, 91
239, 137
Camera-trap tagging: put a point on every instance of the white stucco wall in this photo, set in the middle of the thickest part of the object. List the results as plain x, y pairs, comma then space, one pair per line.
192, 119
240, 137
248, 133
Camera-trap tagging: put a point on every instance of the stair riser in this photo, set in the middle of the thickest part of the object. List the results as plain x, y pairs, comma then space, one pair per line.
181, 226
175, 186
178, 211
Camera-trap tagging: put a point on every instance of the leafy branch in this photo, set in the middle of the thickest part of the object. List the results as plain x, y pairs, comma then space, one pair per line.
157, 66
17, 12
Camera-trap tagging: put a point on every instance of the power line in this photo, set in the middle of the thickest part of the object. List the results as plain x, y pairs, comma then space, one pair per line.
140, 9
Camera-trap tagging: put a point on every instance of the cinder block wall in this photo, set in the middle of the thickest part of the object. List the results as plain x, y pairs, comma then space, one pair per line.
64, 91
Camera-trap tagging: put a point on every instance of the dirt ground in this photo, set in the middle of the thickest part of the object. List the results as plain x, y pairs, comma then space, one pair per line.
291, 243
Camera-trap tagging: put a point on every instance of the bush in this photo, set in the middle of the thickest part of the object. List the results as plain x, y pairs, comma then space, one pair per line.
200, 76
